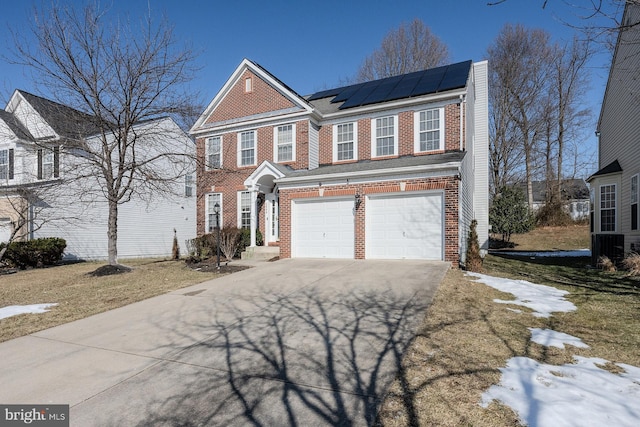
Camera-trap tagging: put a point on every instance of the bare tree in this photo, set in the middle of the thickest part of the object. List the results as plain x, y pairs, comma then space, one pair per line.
523, 57
568, 85
411, 47
124, 77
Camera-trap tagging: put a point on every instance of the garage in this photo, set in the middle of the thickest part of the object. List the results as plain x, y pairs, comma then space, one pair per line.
405, 226
323, 228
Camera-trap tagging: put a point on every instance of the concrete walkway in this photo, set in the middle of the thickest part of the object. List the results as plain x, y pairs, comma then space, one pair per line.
292, 342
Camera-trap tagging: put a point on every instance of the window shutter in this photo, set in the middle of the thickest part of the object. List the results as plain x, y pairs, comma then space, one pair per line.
40, 163
56, 162
11, 163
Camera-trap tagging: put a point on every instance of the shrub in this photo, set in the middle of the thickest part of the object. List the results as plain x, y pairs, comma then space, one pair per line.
202, 247
631, 263
473, 259
229, 241
245, 240
175, 250
605, 264
509, 213
35, 253
553, 215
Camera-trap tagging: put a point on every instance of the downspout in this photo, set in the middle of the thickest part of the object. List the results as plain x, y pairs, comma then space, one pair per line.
462, 101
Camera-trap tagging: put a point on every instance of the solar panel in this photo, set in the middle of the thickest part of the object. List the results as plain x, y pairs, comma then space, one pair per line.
358, 98
429, 82
424, 82
381, 93
405, 87
325, 94
455, 77
347, 92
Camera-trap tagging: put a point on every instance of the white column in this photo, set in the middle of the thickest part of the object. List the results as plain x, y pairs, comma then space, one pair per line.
254, 215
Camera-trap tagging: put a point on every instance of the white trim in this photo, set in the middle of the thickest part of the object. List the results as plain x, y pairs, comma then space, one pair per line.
239, 206
448, 168
206, 152
335, 141
416, 130
374, 135
276, 132
255, 148
616, 208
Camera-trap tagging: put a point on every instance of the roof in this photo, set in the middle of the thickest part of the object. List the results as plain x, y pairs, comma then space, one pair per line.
433, 80
372, 165
16, 127
66, 121
613, 167
572, 189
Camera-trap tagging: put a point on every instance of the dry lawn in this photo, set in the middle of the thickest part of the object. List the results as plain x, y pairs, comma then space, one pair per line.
553, 238
466, 337
80, 295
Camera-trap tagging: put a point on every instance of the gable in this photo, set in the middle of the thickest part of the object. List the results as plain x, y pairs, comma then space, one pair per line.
261, 99
30, 118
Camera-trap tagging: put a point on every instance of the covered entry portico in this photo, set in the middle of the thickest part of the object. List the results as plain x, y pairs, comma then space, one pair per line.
261, 181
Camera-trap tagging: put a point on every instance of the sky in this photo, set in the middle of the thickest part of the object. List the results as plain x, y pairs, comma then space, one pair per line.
315, 45
579, 393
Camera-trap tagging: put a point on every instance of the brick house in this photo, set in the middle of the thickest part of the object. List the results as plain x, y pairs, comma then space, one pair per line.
395, 168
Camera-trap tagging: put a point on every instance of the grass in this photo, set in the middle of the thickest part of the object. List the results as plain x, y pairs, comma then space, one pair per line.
466, 337
553, 238
80, 295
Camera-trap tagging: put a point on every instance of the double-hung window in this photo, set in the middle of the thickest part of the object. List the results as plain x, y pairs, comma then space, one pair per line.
247, 148
634, 202
244, 210
214, 152
284, 138
608, 207
6, 164
345, 141
188, 185
385, 136
212, 199
428, 125
48, 163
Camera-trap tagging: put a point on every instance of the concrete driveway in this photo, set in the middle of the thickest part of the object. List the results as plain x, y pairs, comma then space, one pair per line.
293, 342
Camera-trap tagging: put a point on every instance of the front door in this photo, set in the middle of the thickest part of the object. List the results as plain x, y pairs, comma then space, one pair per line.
272, 212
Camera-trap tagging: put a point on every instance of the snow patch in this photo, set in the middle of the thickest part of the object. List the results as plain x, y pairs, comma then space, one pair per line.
14, 310
551, 338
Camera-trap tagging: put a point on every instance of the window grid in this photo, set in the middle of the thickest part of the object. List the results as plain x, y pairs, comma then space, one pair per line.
4, 164
47, 164
385, 136
430, 130
608, 208
247, 148
344, 136
212, 199
245, 209
285, 143
214, 153
188, 185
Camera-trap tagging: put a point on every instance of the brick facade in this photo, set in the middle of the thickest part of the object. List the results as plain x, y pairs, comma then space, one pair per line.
264, 106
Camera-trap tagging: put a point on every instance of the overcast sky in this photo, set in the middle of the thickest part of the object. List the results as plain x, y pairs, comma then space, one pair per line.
314, 45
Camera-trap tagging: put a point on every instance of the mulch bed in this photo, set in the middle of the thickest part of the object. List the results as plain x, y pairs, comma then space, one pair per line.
209, 266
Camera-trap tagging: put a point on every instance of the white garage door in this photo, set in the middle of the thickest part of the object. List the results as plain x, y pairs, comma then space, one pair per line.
405, 226
323, 229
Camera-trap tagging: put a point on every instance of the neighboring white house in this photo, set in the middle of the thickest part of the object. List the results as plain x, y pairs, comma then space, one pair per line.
615, 187
43, 166
575, 197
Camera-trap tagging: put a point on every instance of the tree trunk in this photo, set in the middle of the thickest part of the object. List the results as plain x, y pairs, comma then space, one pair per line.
112, 233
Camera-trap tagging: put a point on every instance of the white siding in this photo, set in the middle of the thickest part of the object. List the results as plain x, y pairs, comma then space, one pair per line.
619, 126
474, 193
